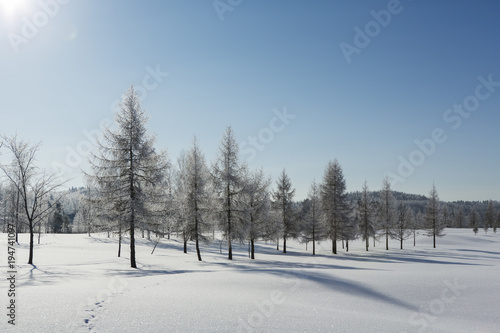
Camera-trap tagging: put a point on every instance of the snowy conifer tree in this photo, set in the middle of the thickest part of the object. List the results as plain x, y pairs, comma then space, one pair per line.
312, 227
387, 211
365, 216
474, 220
418, 222
334, 202
283, 200
256, 206
433, 217
197, 196
402, 227
127, 171
180, 203
228, 183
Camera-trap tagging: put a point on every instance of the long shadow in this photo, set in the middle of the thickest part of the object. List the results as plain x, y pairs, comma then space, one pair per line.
394, 257
480, 251
296, 278
140, 272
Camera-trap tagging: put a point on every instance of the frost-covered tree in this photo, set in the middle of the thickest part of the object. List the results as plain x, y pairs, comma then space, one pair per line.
228, 183
312, 228
402, 227
365, 216
334, 202
31, 184
180, 205
433, 217
418, 222
283, 204
12, 212
489, 217
474, 220
197, 196
127, 171
256, 207
387, 211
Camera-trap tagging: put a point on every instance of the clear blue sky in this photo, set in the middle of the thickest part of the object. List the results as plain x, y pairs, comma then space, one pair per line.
235, 64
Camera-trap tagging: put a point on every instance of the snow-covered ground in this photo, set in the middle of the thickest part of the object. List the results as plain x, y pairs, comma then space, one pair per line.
79, 285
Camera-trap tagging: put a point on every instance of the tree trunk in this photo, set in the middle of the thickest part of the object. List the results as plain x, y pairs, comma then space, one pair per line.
252, 245
132, 246
119, 242
347, 245
277, 244
198, 249
367, 241
30, 259
314, 239
229, 231
284, 244
401, 243
387, 239
184, 238
434, 231
334, 246
17, 218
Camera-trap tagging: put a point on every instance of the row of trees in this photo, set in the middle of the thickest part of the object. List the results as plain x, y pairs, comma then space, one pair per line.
133, 187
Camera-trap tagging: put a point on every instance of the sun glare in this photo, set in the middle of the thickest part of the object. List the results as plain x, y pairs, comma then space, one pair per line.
12, 7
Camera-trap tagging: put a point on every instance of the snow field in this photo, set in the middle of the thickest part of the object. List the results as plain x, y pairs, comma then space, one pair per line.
79, 285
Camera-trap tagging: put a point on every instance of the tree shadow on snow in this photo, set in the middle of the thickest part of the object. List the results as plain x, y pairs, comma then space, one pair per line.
37, 276
294, 279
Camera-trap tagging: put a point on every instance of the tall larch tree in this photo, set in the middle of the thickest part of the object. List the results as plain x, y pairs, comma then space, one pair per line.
312, 227
365, 216
334, 202
404, 220
433, 217
283, 203
127, 171
387, 211
256, 207
198, 196
228, 183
